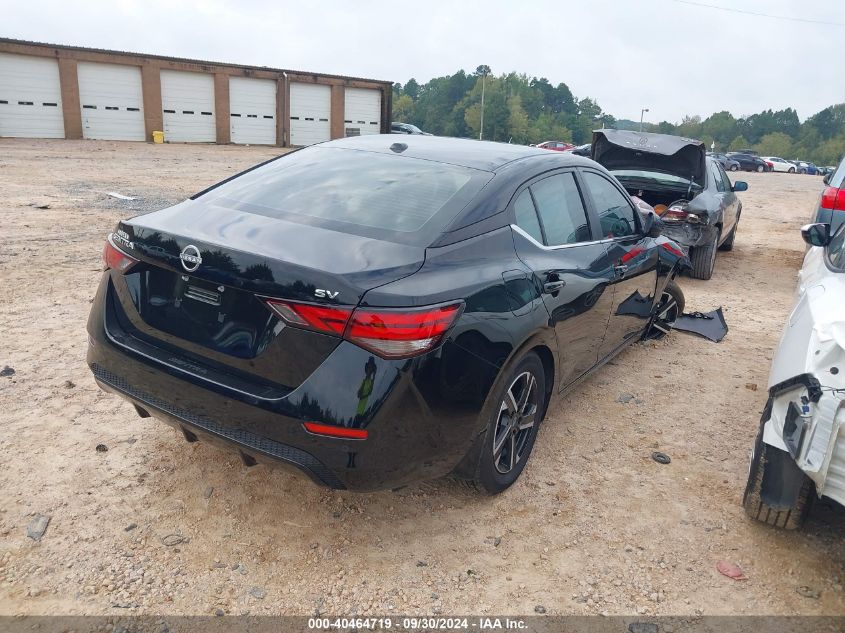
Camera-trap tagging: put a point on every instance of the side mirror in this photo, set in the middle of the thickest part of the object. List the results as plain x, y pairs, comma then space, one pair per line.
816, 234
740, 185
652, 224
826, 179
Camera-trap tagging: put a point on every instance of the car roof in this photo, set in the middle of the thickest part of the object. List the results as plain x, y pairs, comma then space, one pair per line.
484, 155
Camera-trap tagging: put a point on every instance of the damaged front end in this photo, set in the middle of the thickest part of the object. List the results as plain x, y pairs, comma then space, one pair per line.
805, 412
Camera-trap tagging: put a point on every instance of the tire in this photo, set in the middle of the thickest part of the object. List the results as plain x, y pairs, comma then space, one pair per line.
669, 308
728, 244
495, 472
734, 168
703, 259
789, 516
792, 170
760, 169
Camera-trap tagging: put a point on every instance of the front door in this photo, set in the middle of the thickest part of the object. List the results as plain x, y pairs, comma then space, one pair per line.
632, 256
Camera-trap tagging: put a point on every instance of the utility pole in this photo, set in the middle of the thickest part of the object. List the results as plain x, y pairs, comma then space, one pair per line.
482, 70
642, 112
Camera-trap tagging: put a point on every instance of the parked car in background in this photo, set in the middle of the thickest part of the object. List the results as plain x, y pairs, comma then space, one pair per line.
748, 162
558, 146
691, 192
406, 128
729, 164
799, 453
826, 170
376, 313
582, 150
831, 205
805, 167
780, 164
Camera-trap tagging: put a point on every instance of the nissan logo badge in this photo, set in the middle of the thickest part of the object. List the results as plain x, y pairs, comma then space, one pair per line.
190, 257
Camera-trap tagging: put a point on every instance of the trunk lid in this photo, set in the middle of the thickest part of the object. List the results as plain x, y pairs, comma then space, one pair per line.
191, 292
623, 150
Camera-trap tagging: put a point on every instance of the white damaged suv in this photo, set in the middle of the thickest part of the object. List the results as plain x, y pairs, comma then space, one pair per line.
800, 449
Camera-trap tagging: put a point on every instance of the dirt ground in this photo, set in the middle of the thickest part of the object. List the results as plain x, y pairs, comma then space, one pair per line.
593, 526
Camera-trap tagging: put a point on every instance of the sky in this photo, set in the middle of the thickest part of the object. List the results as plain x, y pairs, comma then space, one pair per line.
674, 57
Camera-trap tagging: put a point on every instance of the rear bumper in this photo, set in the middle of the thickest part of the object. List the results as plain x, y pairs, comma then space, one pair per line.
420, 420
252, 447
689, 235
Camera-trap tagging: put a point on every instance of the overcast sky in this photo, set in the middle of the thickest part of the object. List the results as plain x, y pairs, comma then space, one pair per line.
673, 57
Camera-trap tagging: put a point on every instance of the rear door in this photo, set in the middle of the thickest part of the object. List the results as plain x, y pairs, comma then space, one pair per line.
555, 238
632, 258
727, 199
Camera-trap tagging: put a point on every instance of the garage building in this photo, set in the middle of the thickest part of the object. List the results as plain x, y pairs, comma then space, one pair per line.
52, 91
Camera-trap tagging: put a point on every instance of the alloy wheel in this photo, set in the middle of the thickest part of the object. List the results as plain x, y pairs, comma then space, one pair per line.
517, 417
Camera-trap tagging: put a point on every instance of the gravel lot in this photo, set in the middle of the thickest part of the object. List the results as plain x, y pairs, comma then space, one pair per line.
157, 525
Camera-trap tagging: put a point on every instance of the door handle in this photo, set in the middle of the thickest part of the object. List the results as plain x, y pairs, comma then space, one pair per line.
553, 286
620, 269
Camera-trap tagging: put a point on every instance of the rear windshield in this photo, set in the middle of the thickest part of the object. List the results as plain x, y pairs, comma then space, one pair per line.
387, 197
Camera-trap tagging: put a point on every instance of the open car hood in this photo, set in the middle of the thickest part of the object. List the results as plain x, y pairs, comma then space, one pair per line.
676, 155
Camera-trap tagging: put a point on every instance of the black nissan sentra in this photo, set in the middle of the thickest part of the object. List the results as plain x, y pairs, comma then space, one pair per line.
376, 311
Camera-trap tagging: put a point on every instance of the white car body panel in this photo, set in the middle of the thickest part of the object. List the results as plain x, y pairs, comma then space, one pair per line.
779, 164
813, 342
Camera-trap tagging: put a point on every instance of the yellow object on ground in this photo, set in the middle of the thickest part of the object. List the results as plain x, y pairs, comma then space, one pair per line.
158, 136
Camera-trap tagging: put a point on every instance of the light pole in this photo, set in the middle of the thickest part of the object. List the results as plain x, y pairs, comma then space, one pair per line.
482, 70
642, 112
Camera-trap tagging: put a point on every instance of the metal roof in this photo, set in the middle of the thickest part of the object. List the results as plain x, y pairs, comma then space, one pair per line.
5, 40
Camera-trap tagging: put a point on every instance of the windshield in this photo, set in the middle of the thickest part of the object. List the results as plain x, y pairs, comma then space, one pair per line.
377, 195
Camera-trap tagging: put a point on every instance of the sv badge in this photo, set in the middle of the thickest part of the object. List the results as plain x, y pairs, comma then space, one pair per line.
325, 294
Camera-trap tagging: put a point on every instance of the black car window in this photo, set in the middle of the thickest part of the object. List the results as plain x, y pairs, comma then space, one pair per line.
561, 210
728, 184
526, 216
714, 169
836, 249
387, 197
614, 209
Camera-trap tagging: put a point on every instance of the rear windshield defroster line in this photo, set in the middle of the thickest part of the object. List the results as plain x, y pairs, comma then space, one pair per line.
393, 198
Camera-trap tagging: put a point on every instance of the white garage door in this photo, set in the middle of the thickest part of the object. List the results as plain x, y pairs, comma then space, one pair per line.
310, 113
112, 103
188, 103
30, 97
252, 110
362, 111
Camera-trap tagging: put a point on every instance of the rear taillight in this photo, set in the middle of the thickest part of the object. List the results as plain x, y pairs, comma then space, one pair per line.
400, 333
833, 199
116, 259
677, 213
328, 319
387, 332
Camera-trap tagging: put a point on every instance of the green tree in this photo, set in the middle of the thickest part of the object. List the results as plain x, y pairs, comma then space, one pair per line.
403, 109
738, 143
517, 121
775, 144
721, 126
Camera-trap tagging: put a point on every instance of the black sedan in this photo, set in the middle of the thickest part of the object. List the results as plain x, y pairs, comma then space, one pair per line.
689, 190
376, 312
749, 162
